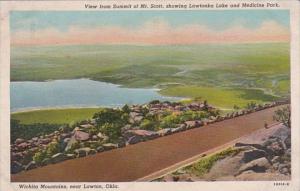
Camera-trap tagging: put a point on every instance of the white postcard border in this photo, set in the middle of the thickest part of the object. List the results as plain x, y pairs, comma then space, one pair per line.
6, 185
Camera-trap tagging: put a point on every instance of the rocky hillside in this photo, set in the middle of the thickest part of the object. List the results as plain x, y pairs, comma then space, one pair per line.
267, 159
116, 128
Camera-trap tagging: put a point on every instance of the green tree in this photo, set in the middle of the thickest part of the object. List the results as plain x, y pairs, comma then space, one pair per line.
112, 130
236, 107
151, 125
154, 102
144, 110
205, 104
52, 149
126, 109
283, 116
170, 121
39, 156
110, 115
251, 105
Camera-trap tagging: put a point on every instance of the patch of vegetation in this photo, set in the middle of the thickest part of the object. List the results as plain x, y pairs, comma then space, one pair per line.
171, 120
150, 124
29, 131
50, 150
55, 116
283, 115
205, 164
220, 97
110, 121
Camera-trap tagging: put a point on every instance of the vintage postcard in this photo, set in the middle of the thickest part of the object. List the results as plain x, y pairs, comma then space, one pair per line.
150, 95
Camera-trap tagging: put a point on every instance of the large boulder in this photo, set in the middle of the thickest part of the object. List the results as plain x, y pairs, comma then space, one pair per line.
134, 139
258, 165
46, 161
164, 132
65, 135
100, 149
109, 146
58, 157
70, 143
253, 154
23, 146
276, 146
225, 167
44, 140
16, 167
102, 137
135, 117
176, 130
84, 151
31, 165
255, 146
80, 152
142, 133
87, 126
181, 127
282, 133
70, 156
35, 139
19, 140
258, 146
81, 136
191, 124
121, 143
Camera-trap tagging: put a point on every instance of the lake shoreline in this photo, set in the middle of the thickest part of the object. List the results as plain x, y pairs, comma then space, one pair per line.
155, 88
58, 108
78, 93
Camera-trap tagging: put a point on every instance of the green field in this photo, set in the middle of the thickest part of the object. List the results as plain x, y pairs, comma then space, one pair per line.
55, 116
223, 98
224, 74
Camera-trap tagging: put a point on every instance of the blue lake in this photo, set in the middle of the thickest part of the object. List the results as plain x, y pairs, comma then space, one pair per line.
28, 95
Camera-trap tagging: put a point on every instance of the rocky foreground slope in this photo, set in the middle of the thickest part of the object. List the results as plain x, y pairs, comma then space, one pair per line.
268, 157
117, 128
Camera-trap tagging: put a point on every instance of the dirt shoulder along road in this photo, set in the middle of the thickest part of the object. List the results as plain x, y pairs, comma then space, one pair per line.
136, 161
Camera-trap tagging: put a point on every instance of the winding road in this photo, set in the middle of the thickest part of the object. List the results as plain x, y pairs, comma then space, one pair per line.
134, 162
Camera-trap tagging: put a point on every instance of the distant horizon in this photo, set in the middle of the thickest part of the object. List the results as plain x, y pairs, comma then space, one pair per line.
145, 45
148, 28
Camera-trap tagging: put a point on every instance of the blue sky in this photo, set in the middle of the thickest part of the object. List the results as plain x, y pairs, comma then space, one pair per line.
218, 20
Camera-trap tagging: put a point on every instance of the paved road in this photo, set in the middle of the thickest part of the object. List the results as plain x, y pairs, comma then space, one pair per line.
137, 161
